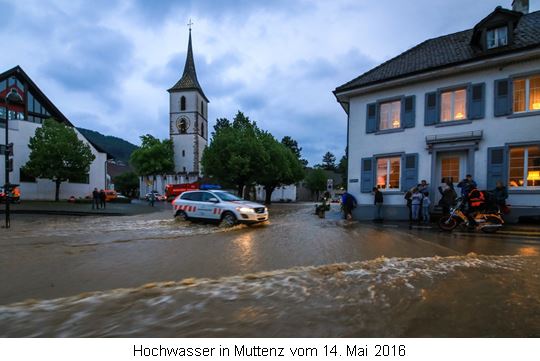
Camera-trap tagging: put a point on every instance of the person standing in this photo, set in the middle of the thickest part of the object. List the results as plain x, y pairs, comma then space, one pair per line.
95, 199
501, 194
102, 198
448, 195
378, 201
416, 201
349, 203
408, 198
152, 198
467, 185
426, 203
423, 187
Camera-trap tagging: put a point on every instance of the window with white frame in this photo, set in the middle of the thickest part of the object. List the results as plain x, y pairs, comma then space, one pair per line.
390, 113
524, 167
497, 37
388, 173
454, 105
527, 94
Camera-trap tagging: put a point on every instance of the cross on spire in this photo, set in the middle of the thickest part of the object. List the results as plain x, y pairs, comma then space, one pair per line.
189, 24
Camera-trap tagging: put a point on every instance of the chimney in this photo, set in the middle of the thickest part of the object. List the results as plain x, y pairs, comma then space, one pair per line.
521, 5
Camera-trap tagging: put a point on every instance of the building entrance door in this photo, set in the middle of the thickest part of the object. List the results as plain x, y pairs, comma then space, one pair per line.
451, 165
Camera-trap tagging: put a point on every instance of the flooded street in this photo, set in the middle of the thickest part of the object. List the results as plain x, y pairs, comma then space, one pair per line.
297, 275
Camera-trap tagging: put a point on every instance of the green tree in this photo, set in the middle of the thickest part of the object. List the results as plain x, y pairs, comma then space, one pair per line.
153, 157
329, 161
127, 184
56, 153
282, 167
316, 181
293, 146
235, 154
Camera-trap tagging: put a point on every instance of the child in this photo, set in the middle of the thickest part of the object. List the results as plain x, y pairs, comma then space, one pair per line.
416, 202
426, 202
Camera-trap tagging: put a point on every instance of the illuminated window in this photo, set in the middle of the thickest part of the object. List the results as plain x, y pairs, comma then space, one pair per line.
450, 168
524, 167
388, 173
454, 105
527, 94
497, 37
390, 115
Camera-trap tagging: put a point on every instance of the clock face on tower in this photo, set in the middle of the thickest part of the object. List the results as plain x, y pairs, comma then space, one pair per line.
182, 123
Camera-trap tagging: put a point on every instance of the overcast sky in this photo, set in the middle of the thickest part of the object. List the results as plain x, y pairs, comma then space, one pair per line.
107, 64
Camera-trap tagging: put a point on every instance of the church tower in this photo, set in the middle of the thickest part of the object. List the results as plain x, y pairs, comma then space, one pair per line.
188, 120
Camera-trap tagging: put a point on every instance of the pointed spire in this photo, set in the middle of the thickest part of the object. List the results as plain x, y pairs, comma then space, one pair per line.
189, 79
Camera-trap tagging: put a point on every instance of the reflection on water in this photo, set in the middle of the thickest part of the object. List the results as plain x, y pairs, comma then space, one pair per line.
433, 296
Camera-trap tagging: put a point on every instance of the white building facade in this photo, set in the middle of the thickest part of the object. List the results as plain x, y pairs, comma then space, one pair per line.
465, 103
24, 119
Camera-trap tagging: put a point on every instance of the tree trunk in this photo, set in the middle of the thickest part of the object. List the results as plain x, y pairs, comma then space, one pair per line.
268, 190
57, 191
240, 190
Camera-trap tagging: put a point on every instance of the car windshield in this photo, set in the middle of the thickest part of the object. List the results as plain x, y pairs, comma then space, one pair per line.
226, 196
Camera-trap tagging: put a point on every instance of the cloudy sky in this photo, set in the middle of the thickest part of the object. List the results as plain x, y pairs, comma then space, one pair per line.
107, 64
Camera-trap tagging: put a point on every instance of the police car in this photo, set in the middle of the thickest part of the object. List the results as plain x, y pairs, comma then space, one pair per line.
219, 206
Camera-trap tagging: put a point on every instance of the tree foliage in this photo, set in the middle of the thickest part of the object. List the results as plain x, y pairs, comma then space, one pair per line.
241, 154
295, 149
127, 184
329, 161
316, 181
58, 154
153, 157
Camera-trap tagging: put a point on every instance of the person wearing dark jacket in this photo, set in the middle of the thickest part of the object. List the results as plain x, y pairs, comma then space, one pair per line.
102, 198
467, 185
349, 203
95, 199
408, 198
501, 194
448, 196
378, 201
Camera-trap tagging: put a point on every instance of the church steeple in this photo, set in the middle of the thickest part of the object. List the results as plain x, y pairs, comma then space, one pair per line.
189, 79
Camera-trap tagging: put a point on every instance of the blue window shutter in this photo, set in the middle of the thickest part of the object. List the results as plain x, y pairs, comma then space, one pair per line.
409, 171
431, 113
408, 111
476, 95
497, 166
371, 118
503, 97
367, 175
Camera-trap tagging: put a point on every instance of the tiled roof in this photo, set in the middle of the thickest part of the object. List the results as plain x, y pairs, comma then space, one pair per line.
189, 78
445, 51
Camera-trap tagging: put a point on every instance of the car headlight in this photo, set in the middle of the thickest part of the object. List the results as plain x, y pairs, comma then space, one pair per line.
245, 210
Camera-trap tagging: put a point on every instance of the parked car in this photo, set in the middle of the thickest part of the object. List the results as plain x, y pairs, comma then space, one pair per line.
15, 196
110, 195
218, 206
157, 196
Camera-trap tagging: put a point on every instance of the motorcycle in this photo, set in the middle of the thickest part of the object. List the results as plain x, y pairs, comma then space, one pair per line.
487, 221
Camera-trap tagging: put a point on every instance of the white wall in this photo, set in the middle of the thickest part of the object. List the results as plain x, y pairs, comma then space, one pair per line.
496, 130
20, 133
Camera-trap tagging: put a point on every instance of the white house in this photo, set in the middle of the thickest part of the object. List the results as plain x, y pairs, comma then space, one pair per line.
24, 119
463, 103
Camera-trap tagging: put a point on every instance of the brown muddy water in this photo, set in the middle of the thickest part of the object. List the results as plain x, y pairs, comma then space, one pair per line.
495, 296
295, 276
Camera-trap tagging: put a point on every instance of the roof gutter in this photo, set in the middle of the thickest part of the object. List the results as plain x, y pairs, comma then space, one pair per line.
344, 96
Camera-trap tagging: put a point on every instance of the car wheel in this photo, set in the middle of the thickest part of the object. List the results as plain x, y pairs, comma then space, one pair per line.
182, 215
228, 219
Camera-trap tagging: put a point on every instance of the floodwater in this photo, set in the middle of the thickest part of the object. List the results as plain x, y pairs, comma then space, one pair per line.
296, 276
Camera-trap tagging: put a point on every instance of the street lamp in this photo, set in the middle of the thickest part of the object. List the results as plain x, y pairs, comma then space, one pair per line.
14, 98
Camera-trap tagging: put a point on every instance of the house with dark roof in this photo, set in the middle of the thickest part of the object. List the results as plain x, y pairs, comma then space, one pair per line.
24, 119
463, 103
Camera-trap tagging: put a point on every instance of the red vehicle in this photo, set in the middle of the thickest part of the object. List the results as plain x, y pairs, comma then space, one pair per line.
174, 190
